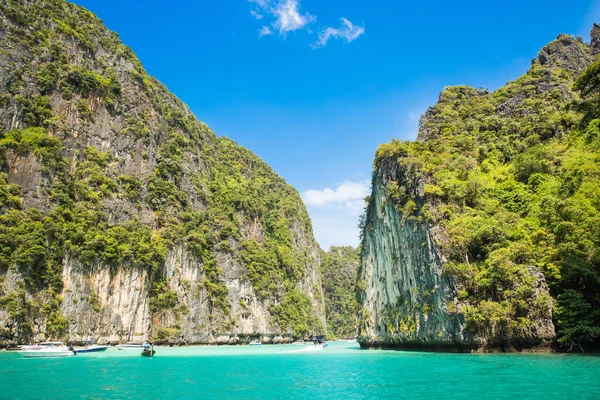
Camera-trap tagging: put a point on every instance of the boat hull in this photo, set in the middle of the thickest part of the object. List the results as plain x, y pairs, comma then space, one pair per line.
93, 349
46, 354
148, 353
127, 348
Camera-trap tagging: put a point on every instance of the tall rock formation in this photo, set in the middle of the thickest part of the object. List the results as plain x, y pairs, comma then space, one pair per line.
123, 217
467, 237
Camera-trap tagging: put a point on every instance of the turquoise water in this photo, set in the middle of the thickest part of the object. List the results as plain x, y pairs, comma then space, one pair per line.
341, 371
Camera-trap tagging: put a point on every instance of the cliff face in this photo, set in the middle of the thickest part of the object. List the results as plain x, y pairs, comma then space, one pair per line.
462, 239
123, 216
405, 296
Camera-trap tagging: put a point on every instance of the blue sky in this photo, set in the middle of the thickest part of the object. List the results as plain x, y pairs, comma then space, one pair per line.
314, 86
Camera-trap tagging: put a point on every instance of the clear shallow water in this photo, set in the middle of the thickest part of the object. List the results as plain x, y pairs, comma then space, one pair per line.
341, 371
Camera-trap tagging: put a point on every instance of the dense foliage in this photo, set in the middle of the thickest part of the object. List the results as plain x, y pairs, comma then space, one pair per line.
512, 178
340, 267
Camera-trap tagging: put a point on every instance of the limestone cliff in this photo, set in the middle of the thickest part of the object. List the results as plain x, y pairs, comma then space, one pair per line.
404, 294
123, 216
462, 229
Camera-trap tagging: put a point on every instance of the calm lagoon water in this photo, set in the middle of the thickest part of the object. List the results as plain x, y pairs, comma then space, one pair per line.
341, 371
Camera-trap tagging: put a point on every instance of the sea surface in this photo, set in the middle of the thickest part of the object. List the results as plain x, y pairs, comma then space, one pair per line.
341, 371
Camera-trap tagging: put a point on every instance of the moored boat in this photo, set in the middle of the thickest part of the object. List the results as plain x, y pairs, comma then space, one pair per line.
148, 351
299, 343
54, 349
131, 346
91, 349
38, 346
255, 343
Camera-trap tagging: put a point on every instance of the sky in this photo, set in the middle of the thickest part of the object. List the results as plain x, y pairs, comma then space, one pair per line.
313, 86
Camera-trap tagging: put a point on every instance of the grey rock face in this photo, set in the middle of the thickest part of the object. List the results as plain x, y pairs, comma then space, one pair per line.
406, 295
112, 306
565, 52
595, 39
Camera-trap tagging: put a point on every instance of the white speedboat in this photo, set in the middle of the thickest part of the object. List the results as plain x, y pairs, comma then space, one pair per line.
54, 349
131, 346
299, 343
319, 344
255, 343
94, 348
38, 346
314, 347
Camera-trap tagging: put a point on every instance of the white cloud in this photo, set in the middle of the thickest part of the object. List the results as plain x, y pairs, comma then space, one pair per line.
264, 31
288, 17
335, 212
348, 194
256, 15
286, 14
346, 31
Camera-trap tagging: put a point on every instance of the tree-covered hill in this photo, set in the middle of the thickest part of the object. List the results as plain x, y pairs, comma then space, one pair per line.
121, 215
339, 266
507, 183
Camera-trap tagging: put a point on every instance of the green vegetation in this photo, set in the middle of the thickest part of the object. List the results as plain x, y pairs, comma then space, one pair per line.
46, 148
513, 179
575, 318
9, 194
340, 267
163, 299
269, 209
295, 313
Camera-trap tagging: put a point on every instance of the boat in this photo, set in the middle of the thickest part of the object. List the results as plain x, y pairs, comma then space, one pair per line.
94, 348
299, 343
312, 347
148, 351
51, 349
131, 346
320, 343
255, 343
38, 346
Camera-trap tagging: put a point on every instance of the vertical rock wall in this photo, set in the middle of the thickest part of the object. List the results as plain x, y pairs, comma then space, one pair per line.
406, 295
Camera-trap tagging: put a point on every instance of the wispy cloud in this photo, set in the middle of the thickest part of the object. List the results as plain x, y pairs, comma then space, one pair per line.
349, 195
286, 15
256, 15
346, 31
264, 31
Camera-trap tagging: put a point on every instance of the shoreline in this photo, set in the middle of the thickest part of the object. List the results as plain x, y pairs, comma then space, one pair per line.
539, 347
